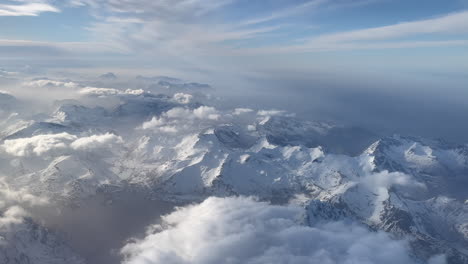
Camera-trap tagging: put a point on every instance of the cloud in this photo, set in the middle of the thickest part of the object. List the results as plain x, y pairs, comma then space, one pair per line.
240, 111
96, 91
48, 49
13, 215
173, 10
24, 241
242, 230
10, 197
135, 91
12, 212
181, 120
96, 141
396, 36
286, 12
58, 144
449, 24
38, 145
183, 98
26, 9
206, 112
51, 83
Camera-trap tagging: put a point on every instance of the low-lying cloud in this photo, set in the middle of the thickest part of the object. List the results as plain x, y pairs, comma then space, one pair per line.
243, 230
58, 144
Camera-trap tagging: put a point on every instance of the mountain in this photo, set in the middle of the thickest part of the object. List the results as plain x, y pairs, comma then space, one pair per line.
184, 151
108, 76
24, 241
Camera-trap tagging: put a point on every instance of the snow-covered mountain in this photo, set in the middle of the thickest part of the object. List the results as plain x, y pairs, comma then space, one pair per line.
176, 148
24, 241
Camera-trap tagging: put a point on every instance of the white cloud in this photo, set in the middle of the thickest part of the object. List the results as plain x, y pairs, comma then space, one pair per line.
182, 120
98, 91
206, 112
395, 36
286, 12
26, 9
96, 141
449, 24
153, 123
175, 10
58, 144
135, 91
10, 197
202, 112
51, 83
38, 145
242, 230
183, 98
240, 111
13, 215
272, 112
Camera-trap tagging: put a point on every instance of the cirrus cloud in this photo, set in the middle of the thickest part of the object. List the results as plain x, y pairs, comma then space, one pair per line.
26, 9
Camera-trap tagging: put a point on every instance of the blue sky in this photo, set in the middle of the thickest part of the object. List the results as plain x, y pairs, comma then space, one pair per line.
424, 36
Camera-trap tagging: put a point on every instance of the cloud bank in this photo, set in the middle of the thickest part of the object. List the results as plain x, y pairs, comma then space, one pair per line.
243, 230
57, 144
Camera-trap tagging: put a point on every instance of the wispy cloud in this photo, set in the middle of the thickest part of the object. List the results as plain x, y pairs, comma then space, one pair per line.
289, 11
449, 24
179, 28
26, 9
192, 30
10, 48
447, 29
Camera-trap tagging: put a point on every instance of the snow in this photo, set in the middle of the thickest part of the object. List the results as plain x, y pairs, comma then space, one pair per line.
177, 149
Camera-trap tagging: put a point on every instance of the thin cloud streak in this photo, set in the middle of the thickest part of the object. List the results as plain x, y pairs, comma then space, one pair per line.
29, 9
448, 24
290, 11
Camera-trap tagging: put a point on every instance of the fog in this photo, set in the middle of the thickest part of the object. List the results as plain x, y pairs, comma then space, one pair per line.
99, 226
435, 107
432, 106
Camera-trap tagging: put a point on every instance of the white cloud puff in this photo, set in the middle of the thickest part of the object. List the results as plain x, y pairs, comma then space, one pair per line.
38, 145
13, 215
51, 83
180, 119
206, 112
58, 144
183, 98
242, 230
240, 111
98, 91
202, 112
107, 140
11, 197
26, 9
135, 91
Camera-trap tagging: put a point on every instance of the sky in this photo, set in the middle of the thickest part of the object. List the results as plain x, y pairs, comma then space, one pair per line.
354, 55
239, 32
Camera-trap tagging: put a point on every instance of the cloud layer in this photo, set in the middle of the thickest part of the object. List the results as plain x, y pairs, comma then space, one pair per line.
57, 144
242, 230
